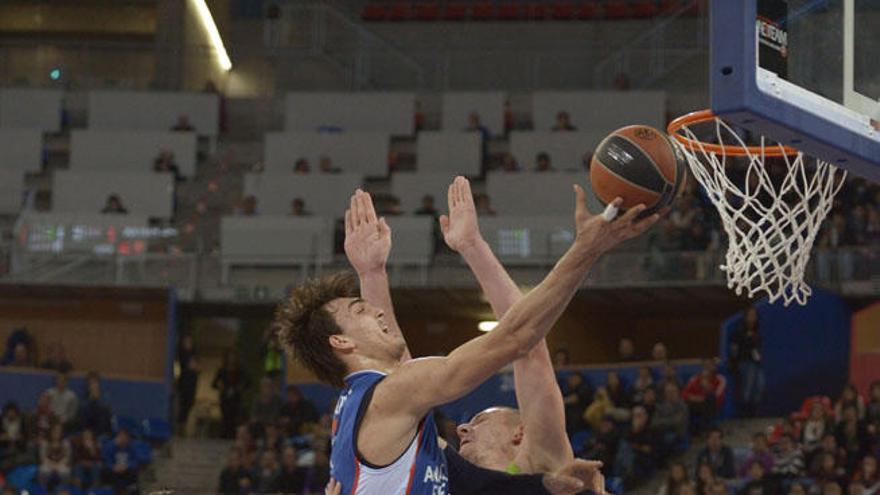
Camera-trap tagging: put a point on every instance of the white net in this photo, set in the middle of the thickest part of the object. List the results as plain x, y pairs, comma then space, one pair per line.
771, 204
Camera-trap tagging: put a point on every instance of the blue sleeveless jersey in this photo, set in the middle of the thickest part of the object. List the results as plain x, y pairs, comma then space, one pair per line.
420, 470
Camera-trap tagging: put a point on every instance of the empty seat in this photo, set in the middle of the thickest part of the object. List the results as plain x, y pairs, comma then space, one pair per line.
324, 195
22, 149
428, 11
563, 11
353, 152
11, 190
153, 110
413, 239
374, 12
455, 11
567, 150
409, 188
38, 109
146, 193
599, 110
617, 9
489, 105
391, 112
132, 151
548, 193
449, 151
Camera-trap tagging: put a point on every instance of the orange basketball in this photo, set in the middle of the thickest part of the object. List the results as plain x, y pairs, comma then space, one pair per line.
639, 164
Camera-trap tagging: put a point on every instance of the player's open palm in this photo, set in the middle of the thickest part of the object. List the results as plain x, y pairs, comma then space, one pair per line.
367, 238
460, 228
600, 233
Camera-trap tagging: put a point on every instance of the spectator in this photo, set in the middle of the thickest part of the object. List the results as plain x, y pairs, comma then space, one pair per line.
757, 483
121, 462
319, 474
626, 351
475, 125
814, 428
484, 206
659, 353
509, 164
760, 453
598, 409
872, 410
542, 162
267, 407
419, 117
244, 442
56, 359
388, 204
94, 414
858, 488
705, 477
62, 400
19, 347
188, 380
678, 476
849, 398
230, 382
717, 487
13, 437
113, 206
231, 474
247, 207
832, 489
576, 395
325, 165
20, 357
704, 394
604, 446
164, 164
271, 439
298, 208
291, 479
851, 436
266, 477
561, 358
670, 418
42, 418
55, 458
301, 167
868, 475
87, 459
297, 411
427, 207
644, 381
828, 471
617, 391
717, 455
797, 488
789, 461
670, 375
639, 449
689, 489
745, 362
828, 446
183, 124
563, 122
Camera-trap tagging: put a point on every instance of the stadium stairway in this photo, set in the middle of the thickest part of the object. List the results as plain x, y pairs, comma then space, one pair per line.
193, 467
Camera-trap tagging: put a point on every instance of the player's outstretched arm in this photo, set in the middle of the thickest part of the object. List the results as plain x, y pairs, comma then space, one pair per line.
367, 245
420, 384
538, 396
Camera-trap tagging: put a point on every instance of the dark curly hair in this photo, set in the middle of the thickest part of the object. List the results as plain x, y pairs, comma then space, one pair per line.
304, 326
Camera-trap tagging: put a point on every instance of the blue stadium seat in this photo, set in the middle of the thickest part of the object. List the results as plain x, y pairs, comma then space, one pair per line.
579, 440
614, 485
156, 430
34, 488
143, 450
127, 423
22, 475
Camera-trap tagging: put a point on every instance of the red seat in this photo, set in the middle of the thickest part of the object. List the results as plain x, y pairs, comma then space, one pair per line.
510, 12
587, 10
696, 9
617, 10
401, 12
537, 11
374, 12
669, 6
563, 11
644, 9
482, 11
427, 11
455, 12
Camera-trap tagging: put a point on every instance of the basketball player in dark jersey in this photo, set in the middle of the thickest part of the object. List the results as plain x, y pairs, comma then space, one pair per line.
384, 439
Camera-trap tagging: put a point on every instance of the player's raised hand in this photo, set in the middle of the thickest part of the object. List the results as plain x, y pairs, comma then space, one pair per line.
460, 228
575, 477
600, 233
367, 238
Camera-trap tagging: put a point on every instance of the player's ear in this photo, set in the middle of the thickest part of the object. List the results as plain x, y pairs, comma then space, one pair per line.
341, 343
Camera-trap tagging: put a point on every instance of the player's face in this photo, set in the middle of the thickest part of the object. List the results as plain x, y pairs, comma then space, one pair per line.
365, 325
489, 433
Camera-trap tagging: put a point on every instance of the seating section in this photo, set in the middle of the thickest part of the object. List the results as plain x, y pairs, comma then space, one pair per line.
381, 112
22, 149
11, 190
38, 109
455, 152
528, 240
457, 108
132, 151
321, 193
145, 193
355, 152
599, 110
549, 193
409, 188
413, 239
522, 10
153, 111
567, 150
275, 241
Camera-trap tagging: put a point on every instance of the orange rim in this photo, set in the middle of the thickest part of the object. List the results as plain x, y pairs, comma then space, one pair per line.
704, 116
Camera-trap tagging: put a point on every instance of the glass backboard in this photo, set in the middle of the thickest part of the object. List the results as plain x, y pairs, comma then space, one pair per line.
805, 73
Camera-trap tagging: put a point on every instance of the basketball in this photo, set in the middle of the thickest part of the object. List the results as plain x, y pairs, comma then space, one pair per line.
639, 164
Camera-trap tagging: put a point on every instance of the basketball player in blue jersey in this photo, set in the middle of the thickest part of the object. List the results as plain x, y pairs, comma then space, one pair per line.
384, 438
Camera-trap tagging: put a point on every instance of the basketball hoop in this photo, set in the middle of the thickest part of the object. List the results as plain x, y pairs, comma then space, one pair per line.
771, 214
